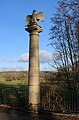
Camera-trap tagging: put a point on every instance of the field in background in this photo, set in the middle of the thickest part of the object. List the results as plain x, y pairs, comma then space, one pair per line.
18, 77
13, 78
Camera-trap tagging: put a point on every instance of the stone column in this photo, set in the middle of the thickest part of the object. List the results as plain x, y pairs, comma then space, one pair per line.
33, 75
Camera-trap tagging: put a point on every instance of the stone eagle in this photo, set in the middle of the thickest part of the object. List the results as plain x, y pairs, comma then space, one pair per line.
34, 18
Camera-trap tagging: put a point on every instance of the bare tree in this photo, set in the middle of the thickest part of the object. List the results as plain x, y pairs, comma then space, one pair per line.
65, 39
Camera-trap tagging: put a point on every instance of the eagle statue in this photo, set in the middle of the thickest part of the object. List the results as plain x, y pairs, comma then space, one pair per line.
34, 18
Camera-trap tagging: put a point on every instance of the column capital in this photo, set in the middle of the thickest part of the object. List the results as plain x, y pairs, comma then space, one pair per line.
34, 28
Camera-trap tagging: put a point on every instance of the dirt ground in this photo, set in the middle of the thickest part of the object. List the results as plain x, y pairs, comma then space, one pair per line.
19, 115
13, 115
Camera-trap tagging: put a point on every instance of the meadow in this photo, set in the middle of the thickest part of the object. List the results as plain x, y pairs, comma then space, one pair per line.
13, 78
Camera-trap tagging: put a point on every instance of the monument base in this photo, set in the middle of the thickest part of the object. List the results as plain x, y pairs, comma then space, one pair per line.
34, 108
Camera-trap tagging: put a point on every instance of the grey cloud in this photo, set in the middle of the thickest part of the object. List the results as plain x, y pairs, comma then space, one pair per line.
45, 56
24, 57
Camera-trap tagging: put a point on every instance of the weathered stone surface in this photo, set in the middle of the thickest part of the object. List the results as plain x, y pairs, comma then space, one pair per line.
33, 78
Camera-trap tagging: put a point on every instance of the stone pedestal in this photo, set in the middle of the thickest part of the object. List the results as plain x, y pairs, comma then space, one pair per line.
33, 75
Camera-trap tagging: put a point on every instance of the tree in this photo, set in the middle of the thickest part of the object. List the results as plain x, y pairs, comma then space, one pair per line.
65, 40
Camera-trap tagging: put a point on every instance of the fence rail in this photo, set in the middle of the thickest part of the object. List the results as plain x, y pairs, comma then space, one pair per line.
66, 101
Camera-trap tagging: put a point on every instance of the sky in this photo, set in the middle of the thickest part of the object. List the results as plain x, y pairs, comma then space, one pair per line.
14, 40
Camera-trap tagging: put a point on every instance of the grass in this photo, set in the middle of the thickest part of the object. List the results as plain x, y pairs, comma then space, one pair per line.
13, 95
14, 92
16, 78
14, 83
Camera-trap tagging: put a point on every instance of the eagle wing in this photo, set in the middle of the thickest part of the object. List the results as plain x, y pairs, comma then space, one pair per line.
28, 19
40, 16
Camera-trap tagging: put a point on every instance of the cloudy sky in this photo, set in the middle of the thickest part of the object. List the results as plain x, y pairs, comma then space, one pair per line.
14, 40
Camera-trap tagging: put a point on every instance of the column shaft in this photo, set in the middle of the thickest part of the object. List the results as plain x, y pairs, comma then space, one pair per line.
33, 77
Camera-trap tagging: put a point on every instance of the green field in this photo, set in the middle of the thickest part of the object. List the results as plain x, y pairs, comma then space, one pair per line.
13, 78
18, 77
